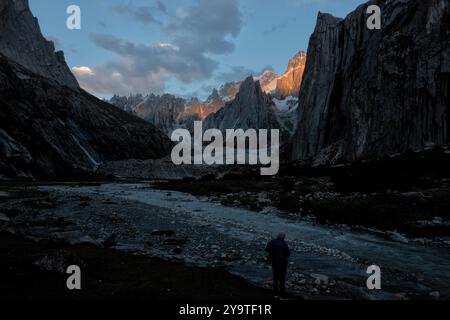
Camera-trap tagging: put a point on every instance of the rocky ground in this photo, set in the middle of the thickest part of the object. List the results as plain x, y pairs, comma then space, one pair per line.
392, 212
34, 271
408, 194
36, 248
327, 263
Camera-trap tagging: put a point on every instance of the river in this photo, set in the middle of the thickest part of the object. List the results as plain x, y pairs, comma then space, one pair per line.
210, 234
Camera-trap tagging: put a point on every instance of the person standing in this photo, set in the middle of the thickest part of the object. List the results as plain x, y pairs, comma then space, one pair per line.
279, 254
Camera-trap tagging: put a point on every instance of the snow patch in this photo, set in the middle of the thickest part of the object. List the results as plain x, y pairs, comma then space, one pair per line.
286, 105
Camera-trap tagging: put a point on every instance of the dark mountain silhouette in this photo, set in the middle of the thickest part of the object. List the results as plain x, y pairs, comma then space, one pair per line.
49, 127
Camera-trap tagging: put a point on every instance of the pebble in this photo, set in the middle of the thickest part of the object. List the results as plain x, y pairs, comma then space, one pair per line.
320, 279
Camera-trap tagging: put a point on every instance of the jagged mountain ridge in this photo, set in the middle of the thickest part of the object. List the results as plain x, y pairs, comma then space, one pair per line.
252, 108
287, 84
167, 111
126, 103
374, 93
21, 41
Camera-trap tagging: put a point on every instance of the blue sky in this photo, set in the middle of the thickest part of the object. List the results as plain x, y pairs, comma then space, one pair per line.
184, 47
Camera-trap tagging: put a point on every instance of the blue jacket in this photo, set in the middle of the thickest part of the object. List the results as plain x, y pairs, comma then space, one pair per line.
278, 251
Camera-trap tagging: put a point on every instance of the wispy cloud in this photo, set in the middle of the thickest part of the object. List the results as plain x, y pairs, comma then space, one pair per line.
194, 33
142, 14
280, 26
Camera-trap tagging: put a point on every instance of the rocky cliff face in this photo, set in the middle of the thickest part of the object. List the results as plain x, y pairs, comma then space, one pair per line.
214, 103
229, 90
161, 111
268, 81
168, 112
48, 126
288, 85
285, 85
372, 93
251, 109
21, 41
48, 130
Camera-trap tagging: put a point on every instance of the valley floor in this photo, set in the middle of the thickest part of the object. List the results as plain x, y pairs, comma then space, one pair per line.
111, 274
186, 231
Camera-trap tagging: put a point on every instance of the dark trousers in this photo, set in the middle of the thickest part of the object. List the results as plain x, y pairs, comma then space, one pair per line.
279, 277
